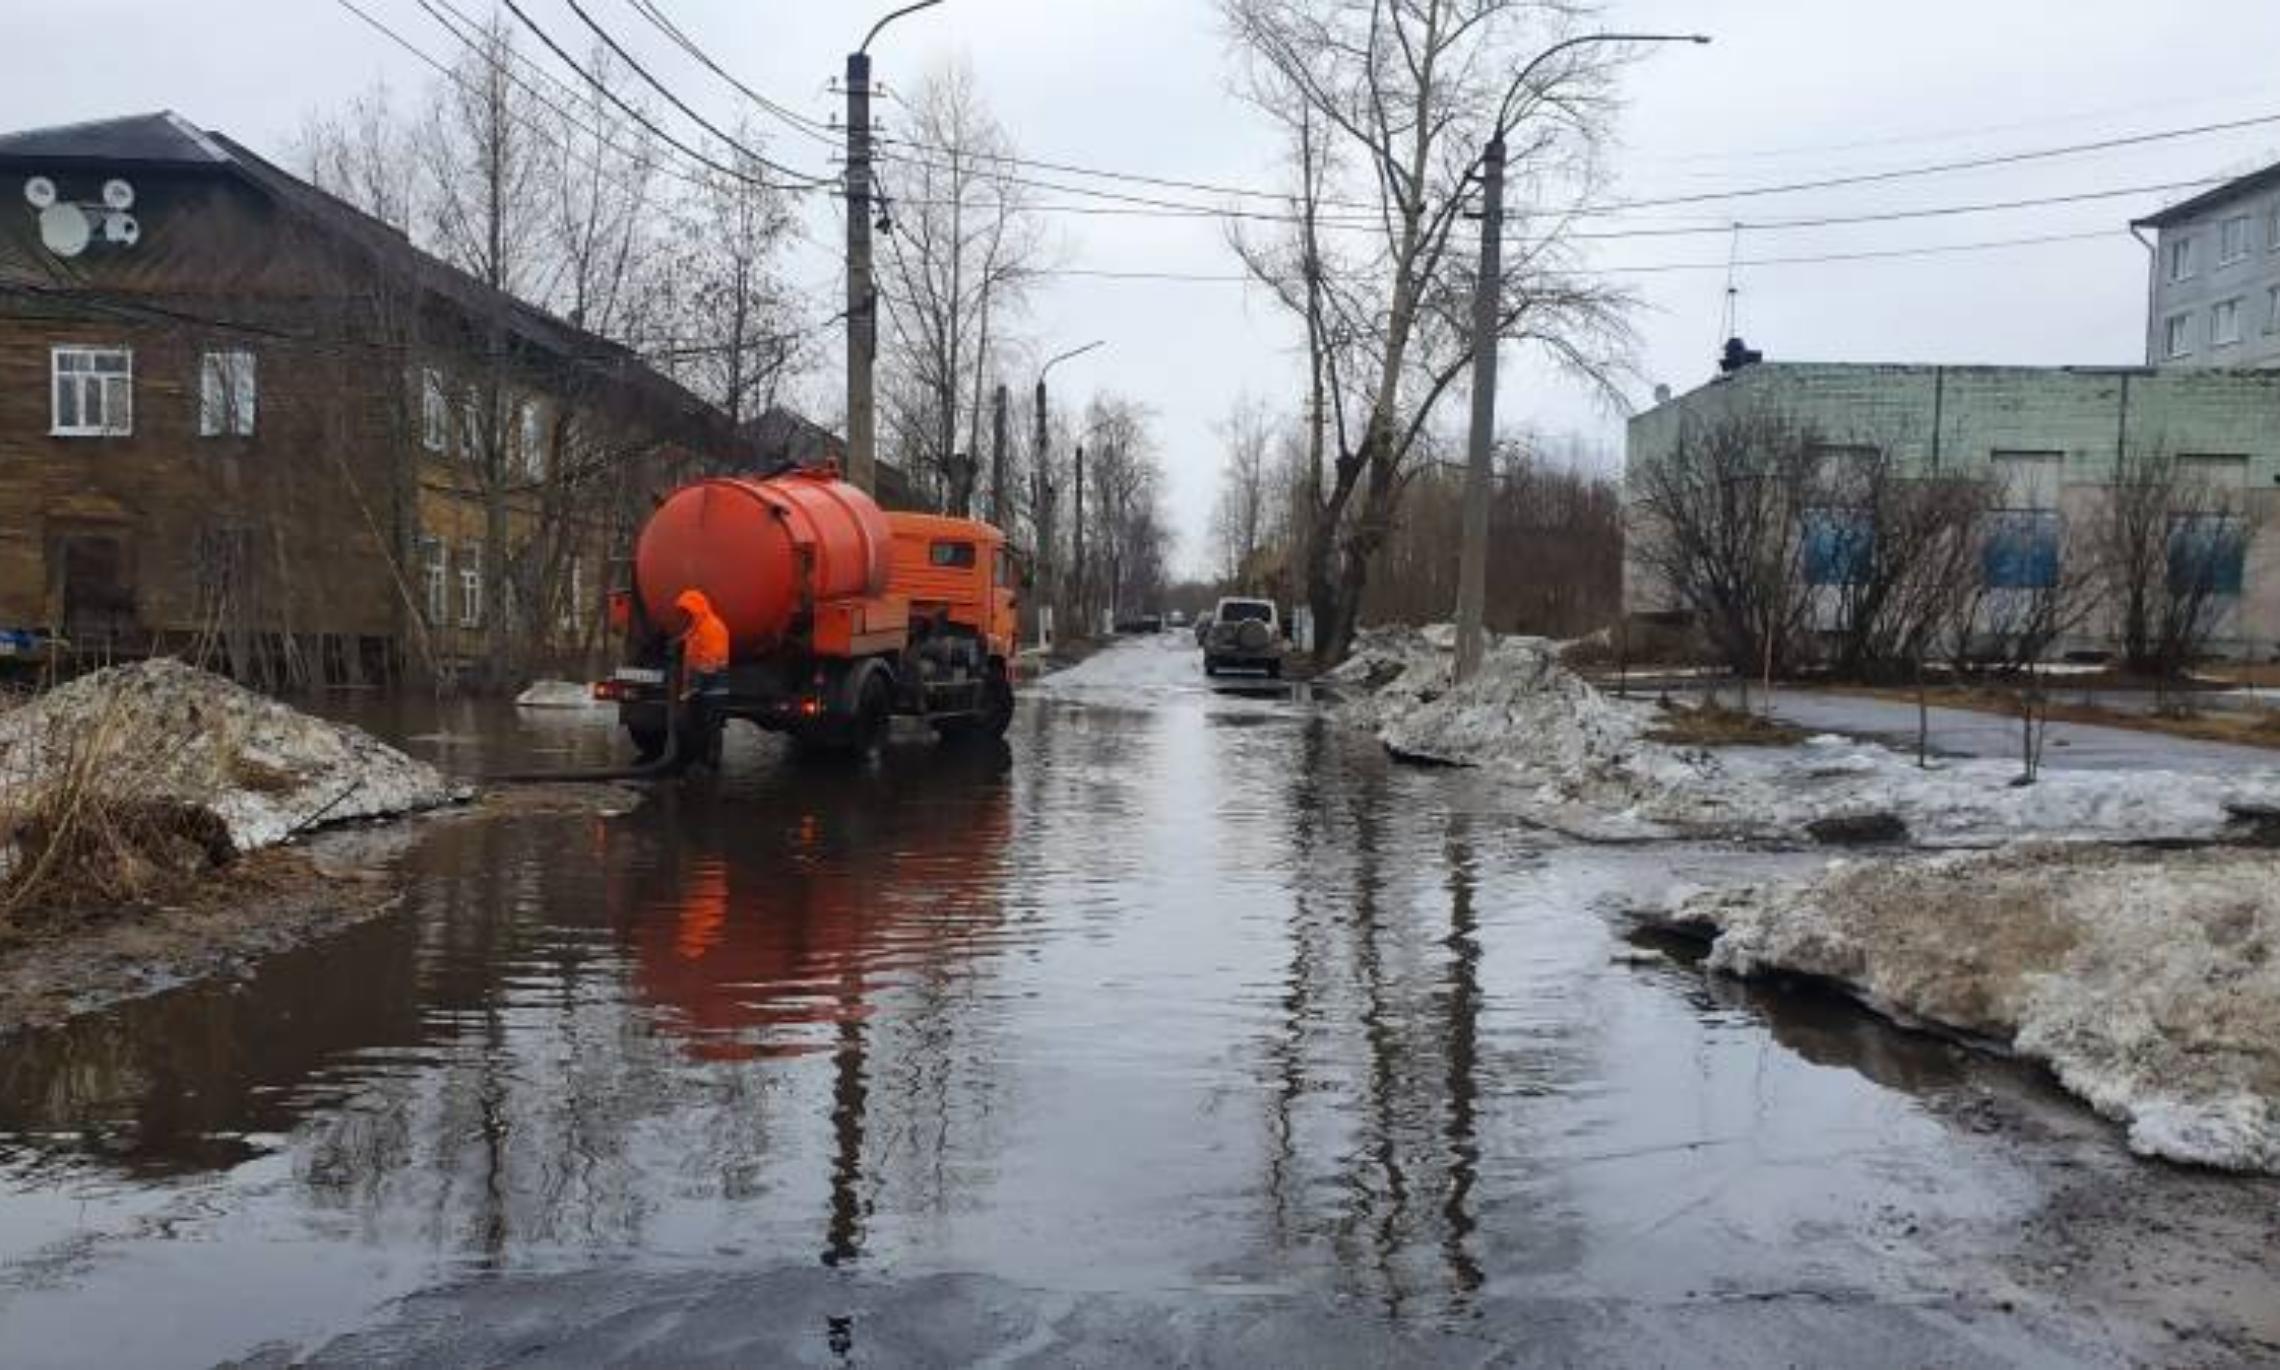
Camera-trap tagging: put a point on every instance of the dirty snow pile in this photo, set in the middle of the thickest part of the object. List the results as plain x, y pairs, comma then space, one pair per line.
1583, 755
1146, 664
1588, 762
162, 730
2150, 983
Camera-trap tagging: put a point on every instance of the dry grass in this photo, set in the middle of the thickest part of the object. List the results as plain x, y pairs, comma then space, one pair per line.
82, 834
1714, 725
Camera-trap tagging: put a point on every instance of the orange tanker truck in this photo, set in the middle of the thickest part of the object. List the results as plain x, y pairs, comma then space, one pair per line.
838, 617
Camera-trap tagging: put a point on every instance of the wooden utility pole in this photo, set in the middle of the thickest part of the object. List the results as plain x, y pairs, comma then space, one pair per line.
998, 506
862, 294
1488, 297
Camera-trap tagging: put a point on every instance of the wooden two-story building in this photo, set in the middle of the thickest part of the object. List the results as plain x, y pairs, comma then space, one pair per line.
242, 421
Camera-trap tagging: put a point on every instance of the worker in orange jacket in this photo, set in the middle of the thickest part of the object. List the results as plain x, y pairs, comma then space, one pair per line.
704, 642
704, 652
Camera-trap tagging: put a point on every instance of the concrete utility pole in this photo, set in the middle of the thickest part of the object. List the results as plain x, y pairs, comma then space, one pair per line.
1078, 531
1044, 477
1488, 299
862, 293
997, 462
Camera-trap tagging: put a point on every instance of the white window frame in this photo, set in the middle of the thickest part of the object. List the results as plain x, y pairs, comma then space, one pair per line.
2224, 323
2177, 335
114, 390
435, 410
2232, 238
228, 390
2181, 258
437, 572
530, 439
471, 585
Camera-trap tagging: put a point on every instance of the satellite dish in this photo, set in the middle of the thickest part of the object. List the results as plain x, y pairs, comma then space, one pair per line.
64, 229
118, 195
121, 229
40, 191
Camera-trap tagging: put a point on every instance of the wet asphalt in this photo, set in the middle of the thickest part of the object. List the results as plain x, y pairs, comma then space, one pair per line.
1184, 1029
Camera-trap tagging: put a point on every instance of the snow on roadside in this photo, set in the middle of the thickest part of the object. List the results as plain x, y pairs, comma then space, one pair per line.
1584, 762
166, 730
2149, 983
1138, 664
557, 694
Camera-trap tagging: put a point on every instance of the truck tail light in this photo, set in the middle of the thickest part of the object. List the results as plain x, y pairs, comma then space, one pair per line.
621, 611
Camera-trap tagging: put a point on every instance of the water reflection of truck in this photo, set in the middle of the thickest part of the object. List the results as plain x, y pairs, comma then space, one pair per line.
840, 617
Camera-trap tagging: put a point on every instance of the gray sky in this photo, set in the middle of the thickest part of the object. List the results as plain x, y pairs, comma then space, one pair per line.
1791, 90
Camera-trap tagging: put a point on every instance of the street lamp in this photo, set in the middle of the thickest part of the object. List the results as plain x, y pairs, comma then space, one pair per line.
1044, 480
1488, 294
862, 297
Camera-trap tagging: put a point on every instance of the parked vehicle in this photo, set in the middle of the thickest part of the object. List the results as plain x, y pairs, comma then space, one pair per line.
839, 616
1245, 635
1177, 618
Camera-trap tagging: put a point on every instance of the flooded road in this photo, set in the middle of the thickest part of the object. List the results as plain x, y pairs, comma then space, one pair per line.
1183, 1029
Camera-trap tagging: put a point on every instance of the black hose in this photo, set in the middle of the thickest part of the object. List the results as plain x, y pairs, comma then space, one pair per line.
668, 762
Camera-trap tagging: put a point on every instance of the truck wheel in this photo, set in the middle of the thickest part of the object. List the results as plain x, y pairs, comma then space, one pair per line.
1274, 669
997, 706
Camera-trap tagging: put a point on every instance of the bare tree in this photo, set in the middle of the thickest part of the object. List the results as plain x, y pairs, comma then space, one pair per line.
363, 153
962, 250
2173, 541
1911, 557
737, 323
1239, 519
1405, 95
1126, 538
1719, 522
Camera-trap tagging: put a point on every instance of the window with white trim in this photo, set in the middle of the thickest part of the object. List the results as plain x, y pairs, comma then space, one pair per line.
471, 585
436, 563
2232, 239
94, 391
2181, 259
2177, 335
2224, 323
531, 443
435, 410
225, 394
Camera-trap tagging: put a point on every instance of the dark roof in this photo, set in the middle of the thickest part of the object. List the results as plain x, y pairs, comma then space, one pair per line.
2233, 189
161, 139
167, 139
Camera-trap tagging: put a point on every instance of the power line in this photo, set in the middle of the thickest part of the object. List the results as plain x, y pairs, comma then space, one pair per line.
813, 128
675, 100
634, 112
1644, 268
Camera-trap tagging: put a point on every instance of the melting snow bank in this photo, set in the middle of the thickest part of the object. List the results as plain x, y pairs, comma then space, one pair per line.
2150, 983
1585, 763
557, 694
161, 730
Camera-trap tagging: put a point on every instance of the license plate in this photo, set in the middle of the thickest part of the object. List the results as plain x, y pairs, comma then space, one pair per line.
639, 675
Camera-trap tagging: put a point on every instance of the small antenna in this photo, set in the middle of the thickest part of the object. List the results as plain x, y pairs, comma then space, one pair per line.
1730, 320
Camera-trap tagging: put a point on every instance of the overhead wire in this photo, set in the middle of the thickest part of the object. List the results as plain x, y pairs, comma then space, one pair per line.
663, 23
610, 41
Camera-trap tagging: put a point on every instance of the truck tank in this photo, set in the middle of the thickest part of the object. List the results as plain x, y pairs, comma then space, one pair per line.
759, 549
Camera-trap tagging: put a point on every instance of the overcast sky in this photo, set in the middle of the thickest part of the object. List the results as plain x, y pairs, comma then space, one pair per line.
1791, 90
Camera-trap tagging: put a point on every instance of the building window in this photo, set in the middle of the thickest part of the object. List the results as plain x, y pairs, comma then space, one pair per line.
2177, 335
471, 585
2181, 259
2025, 536
2208, 554
94, 391
531, 442
2272, 310
435, 410
2272, 227
225, 394
436, 564
2224, 323
2232, 239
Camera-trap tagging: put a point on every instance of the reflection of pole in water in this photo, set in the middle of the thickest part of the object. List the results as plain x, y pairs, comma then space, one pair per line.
1463, 1054
1381, 1033
850, 1099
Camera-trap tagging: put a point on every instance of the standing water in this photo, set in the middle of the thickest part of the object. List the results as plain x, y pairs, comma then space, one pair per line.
1182, 1027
